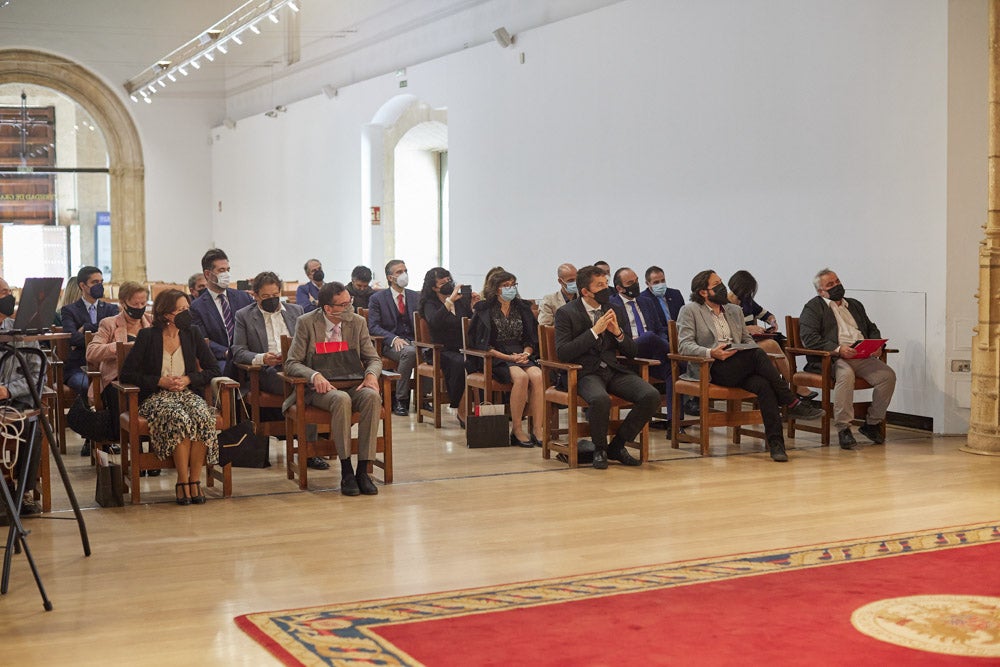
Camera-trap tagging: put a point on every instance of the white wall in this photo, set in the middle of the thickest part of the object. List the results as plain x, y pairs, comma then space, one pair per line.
778, 137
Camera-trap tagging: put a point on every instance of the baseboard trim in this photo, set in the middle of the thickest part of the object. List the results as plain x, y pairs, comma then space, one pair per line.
917, 422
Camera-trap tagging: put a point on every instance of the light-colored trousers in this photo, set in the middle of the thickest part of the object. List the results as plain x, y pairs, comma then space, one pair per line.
340, 404
877, 374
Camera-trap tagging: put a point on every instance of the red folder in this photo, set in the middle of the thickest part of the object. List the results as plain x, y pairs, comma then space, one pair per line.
326, 347
867, 347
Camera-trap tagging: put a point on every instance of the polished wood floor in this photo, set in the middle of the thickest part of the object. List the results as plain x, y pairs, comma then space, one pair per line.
164, 582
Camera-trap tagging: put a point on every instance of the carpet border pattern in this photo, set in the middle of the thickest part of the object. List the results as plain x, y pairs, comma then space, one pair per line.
342, 634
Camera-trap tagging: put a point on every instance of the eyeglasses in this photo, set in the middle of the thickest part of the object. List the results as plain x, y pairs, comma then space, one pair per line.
343, 304
509, 285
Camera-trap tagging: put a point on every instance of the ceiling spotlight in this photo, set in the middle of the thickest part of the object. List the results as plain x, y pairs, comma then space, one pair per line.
281, 107
170, 75
329, 91
148, 100
209, 57
271, 114
195, 64
222, 49
293, 6
163, 64
274, 19
254, 29
143, 93
182, 70
162, 84
134, 98
504, 38
236, 38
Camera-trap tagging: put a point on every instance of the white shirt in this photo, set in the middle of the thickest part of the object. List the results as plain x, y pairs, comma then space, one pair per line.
723, 334
274, 325
847, 329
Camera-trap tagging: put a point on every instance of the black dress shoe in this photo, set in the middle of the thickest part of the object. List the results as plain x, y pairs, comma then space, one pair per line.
85, 450
777, 449
873, 432
623, 457
153, 473
400, 411
808, 397
365, 484
514, 442
803, 410
349, 485
317, 463
847, 440
600, 459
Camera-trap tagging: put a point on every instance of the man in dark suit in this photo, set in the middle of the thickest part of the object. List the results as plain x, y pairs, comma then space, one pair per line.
590, 331
648, 329
667, 300
214, 312
833, 323
335, 320
81, 316
390, 315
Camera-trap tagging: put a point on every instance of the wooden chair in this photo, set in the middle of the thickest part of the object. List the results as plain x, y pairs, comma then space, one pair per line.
134, 428
432, 370
822, 381
482, 381
299, 449
564, 440
64, 395
259, 399
733, 416
387, 363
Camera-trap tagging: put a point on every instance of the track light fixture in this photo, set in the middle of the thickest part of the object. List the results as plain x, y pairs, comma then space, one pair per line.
504, 38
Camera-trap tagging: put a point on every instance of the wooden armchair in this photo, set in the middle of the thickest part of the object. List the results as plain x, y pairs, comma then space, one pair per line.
298, 448
64, 395
733, 416
822, 381
134, 428
431, 370
483, 381
564, 440
259, 399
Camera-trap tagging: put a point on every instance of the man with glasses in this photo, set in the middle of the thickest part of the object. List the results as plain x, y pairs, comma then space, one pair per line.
333, 343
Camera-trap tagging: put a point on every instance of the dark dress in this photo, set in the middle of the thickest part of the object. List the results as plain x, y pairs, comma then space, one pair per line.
446, 330
489, 329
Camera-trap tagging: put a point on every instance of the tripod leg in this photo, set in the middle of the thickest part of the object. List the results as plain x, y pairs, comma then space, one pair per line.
46, 603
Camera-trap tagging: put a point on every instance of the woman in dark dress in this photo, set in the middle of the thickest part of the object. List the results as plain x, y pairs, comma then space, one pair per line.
443, 306
164, 364
504, 324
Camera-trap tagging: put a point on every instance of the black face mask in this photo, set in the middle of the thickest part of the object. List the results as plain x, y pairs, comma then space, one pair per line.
271, 305
318, 276
7, 305
448, 288
719, 295
603, 296
135, 313
835, 293
632, 291
97, 291
182, 320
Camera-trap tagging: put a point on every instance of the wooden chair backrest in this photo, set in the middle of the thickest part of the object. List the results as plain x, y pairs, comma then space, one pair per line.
792, 326
157, 288
672, 334
547, 342
465, 332
286, 345
121, 351
88, 336
421, 330
61, 347
363, 312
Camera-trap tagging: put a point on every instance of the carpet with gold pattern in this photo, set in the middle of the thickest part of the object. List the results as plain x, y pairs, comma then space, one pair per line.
923, 598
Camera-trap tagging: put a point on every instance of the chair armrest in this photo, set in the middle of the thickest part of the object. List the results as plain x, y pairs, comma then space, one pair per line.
639, 361
429, 346
815, 353
249, 368
482, 354
559, 365
125, 388
691, 359
390, 375
292, 380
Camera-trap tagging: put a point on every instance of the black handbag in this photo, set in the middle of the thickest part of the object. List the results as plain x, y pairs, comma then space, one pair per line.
492, 430
93, 425
241, 446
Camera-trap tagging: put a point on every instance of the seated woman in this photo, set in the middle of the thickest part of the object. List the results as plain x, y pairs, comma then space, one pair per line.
164, 365
123, 327
504, 324
443, 306
742, 290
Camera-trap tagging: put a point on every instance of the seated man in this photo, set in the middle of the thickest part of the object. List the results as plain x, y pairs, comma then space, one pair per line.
196, 285
390, 315
81, 316
590, 331
668, 301
333, 320
566, 275
831, 322
307, 292
214, 312
650, 334
360, 288
708, 327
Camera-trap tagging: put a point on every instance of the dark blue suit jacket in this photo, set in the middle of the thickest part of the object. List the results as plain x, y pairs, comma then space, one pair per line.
73, 316
651, 313
383, 314
206, 315
674, 303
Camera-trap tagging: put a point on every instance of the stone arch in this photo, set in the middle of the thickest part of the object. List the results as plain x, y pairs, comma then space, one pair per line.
125, 163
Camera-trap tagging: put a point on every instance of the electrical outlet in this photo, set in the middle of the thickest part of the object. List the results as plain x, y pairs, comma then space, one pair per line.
961, 366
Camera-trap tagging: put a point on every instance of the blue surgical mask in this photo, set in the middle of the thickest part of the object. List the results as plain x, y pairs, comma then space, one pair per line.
508, 293
571, 287
659, 289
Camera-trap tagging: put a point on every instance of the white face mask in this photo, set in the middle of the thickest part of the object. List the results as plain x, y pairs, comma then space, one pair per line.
222, 279
403, 279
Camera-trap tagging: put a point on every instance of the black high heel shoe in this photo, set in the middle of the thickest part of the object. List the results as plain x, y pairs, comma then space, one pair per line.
197, 499
535, 441
181, 499
514, 442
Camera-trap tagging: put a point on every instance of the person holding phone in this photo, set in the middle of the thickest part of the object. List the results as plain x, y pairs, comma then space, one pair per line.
708, 327
443, 303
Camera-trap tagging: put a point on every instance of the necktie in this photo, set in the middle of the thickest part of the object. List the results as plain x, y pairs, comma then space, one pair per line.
595, 315
227, 317
401, 305
666, 311
93, 313
333, 334
639, 329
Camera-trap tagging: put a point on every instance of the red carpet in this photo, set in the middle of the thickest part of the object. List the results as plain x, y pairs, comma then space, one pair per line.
791, 607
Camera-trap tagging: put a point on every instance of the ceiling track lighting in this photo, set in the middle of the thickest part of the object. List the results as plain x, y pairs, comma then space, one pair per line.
232, 28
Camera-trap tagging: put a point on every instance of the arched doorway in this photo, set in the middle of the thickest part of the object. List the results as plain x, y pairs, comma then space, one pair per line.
125, 163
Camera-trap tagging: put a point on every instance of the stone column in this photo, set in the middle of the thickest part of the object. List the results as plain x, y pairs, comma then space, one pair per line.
984, 422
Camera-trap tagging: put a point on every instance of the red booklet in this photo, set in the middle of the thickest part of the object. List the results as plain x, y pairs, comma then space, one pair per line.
867, 347
326, 347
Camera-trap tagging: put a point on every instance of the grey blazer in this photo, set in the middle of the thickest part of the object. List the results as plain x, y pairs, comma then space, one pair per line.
696, 333
548, 306
311, 328
250, 337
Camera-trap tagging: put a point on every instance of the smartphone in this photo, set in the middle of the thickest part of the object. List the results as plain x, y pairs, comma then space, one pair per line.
466, 290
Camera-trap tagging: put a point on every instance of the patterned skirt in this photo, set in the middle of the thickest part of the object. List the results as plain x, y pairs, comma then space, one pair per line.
175, 416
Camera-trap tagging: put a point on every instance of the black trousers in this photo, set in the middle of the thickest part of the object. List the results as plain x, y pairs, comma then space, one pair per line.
596, 389
453, 365
754, 371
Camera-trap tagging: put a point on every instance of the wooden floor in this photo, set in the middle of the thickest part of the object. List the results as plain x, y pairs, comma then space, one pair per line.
164, 582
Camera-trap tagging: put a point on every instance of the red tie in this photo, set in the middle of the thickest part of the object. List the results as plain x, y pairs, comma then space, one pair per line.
401, 305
